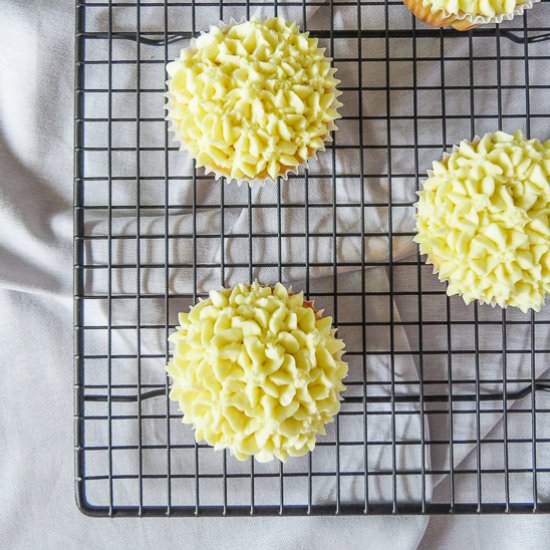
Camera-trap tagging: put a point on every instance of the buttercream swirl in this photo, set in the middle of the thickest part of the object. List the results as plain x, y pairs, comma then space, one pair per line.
256, 371
253, 100
485, 8
483, 220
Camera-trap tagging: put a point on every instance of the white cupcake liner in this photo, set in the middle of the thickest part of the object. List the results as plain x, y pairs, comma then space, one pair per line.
209, 170
483, 19
260, 182
480, 301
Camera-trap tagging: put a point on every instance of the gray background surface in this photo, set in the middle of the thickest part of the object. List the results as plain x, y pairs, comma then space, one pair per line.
36, 431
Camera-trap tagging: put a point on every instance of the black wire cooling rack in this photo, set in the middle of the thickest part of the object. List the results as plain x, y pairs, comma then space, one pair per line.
446, 410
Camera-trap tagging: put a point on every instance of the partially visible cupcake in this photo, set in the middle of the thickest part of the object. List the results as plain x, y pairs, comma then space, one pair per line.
463, 15
258, 371
483, 219
254, 100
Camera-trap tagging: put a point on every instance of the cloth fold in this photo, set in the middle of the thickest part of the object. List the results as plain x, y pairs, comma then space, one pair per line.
36, 130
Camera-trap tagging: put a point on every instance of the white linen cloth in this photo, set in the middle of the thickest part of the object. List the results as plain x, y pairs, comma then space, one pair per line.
36, 336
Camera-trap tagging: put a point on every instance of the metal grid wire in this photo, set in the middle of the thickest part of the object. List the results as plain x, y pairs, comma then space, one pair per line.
410, 92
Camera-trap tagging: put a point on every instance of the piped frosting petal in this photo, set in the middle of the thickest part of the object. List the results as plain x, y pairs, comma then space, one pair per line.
256, 371
253, 100
483, 220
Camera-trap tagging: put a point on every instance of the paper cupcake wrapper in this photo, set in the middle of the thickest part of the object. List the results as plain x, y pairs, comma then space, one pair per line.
217, 173
493, 304
462, 21
257, 182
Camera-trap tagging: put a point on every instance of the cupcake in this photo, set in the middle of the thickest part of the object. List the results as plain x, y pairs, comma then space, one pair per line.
483, 220
463, 15
254, 100
258, 371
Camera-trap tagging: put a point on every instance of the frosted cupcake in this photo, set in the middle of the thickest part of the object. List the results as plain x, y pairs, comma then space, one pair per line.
254, 100
463, 15
257, 371
483, 220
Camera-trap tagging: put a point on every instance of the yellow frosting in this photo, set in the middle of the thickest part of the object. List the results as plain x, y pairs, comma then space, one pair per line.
253, 100
483, 220
255, 371
485, 8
